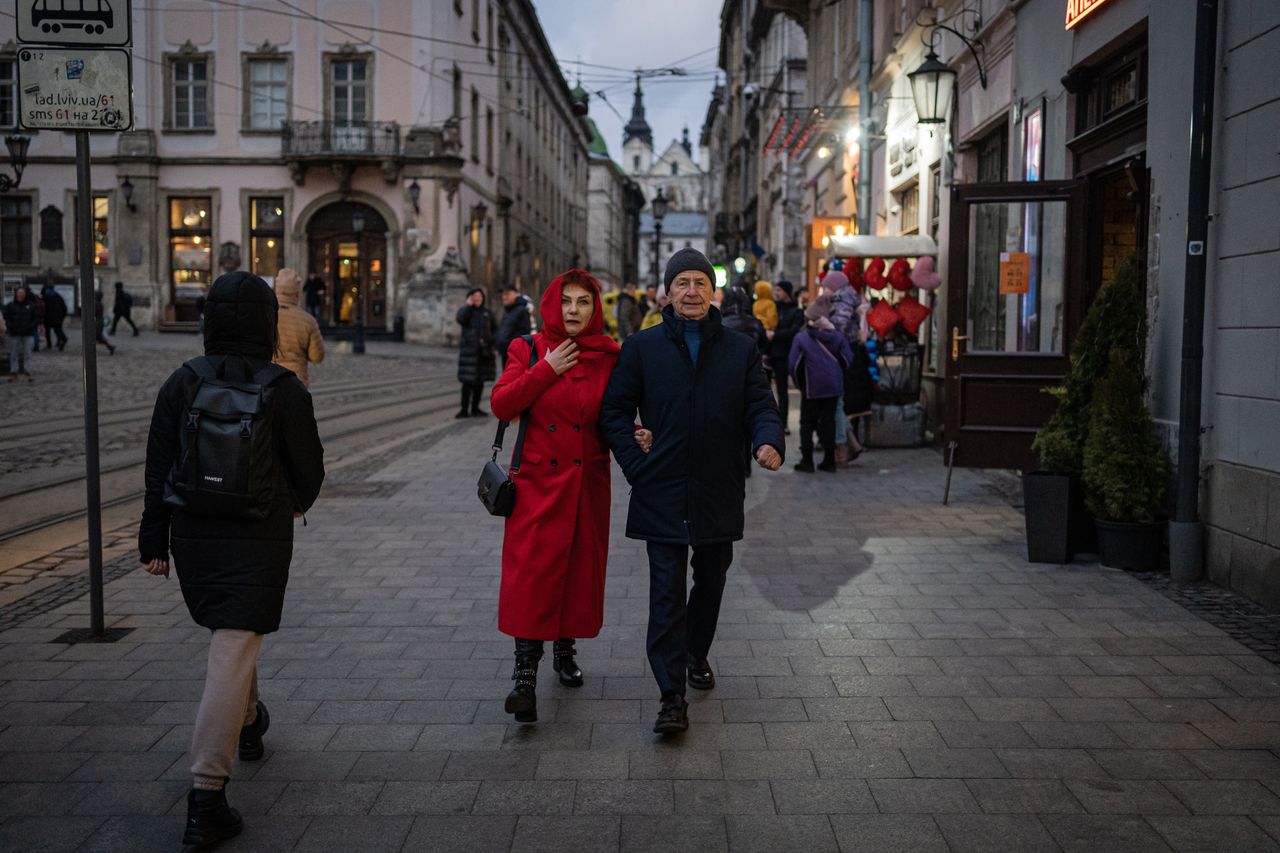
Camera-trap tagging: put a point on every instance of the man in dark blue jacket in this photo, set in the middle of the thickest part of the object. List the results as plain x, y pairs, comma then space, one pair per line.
701, 391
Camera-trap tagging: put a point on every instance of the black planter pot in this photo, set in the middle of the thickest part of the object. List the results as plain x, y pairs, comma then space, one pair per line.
1050, 504
1136, 547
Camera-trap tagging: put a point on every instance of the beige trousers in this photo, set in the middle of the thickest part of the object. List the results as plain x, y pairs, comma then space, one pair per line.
230, 702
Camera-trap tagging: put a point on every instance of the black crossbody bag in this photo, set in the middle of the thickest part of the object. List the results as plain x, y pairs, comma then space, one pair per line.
496, 489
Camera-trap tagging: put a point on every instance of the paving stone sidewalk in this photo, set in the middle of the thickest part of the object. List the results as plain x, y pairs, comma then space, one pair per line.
893, 675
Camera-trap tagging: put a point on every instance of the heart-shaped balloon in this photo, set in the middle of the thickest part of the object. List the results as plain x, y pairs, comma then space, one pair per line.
873, 278
876, 266
924, 276
899, 267
900, 279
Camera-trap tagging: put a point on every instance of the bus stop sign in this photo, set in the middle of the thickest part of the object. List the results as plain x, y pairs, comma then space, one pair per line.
74, 23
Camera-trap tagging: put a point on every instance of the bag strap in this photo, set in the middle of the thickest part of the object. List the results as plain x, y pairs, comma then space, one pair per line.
269, 374
524, 418
202, 367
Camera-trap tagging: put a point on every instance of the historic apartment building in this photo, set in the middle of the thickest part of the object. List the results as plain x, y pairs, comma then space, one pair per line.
362, 141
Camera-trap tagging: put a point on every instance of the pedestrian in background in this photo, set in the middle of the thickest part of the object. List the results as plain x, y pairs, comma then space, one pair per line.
298, 334
20, 324
200, 303
475, 352
701, 391
314, 290
629, 315
648, 301
654, 317
819, 358
764, 308
38, 331
555, 546
790, 322
844, 317
100, 323
55, 314
122, 308
232, 563
517, 319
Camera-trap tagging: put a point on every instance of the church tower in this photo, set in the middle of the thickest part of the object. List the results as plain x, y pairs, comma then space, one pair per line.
637, 138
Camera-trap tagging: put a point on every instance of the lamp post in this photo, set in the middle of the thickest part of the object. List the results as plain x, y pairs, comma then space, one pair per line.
933, 82
17, 146
660, 204
357, 225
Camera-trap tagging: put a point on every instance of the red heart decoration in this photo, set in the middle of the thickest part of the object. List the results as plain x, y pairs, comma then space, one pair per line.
900, 279
883, 318
913, 314
900, 267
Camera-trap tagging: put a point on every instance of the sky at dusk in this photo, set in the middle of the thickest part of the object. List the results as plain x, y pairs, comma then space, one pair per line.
625, 34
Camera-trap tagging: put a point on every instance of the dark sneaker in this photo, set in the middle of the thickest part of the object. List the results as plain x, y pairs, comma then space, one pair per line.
804, 467
251, 748
828, 465
462, 414
209, 818
700, 676
673, 716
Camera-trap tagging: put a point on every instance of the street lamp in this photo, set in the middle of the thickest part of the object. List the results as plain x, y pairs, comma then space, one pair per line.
660, 204
17, 146
357, 225
933, 83
126, 190
415, 193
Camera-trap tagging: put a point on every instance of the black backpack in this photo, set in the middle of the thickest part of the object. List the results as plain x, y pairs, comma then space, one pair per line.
226, 465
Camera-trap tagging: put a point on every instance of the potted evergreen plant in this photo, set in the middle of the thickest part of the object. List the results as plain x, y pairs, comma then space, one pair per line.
1126, 469
1058, 526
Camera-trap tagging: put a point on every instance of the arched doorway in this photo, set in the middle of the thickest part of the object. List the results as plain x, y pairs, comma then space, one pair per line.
347, 246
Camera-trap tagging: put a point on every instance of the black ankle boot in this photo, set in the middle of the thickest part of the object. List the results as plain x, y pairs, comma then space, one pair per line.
522, 701
805, 465
209, 818
251, 748
564, 664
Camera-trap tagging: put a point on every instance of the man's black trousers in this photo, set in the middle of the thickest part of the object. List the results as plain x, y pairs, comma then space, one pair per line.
682, 622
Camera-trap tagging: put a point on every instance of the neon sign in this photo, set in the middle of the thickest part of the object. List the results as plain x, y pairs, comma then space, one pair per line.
1078, 10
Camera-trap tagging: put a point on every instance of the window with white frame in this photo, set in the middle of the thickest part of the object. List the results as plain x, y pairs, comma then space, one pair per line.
267, 92
189, 98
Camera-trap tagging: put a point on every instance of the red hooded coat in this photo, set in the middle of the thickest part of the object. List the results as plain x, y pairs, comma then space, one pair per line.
556, 544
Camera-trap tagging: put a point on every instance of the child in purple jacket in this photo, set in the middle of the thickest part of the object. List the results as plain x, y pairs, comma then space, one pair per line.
819, 357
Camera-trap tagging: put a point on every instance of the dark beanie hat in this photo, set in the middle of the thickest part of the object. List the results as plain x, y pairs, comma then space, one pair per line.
786, 286
688, 259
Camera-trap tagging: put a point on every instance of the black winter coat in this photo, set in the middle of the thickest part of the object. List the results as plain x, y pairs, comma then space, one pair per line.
516, 321
21, 318
690, 488
55, 308
736, 315
233, 571
790, 322
475, 350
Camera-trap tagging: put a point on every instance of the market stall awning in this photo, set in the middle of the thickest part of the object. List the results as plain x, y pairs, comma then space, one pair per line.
876, 246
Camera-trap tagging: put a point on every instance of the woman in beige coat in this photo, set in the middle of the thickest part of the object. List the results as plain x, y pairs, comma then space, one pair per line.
299, 339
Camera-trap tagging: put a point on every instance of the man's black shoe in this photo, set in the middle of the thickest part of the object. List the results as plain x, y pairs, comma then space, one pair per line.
803, 466
478, 412
209, 818
673, 717
251, 748
700, 675
828, 465
462, 414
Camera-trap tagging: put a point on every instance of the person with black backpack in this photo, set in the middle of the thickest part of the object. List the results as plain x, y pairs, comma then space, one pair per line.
233, 457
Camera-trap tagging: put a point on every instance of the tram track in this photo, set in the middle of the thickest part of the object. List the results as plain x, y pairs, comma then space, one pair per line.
42, 505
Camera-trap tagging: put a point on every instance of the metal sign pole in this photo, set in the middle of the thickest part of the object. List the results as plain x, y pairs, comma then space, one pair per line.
89, 339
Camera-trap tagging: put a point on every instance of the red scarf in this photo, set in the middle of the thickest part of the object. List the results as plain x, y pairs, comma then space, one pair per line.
592, 341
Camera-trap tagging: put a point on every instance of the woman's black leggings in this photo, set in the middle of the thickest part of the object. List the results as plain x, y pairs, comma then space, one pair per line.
471, 395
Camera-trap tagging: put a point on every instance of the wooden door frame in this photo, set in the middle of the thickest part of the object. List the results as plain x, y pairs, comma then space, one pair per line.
1048, 368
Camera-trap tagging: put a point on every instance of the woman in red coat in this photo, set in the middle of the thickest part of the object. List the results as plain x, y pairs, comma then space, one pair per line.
556, 543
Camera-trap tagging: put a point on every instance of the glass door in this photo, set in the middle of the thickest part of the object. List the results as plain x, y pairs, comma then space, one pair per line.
1013, 308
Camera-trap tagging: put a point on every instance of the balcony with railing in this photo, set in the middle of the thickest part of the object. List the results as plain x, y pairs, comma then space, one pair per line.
342, 145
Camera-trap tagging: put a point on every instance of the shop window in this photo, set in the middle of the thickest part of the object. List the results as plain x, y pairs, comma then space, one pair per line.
488, 139
908, 202
190, 246
15, 229
8, 93
101, 230
266, 235
189, 93
475, 125
993, 156
266, 93
1113, 87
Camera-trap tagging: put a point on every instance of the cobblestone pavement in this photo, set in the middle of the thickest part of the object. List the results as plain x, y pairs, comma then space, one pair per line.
892, 676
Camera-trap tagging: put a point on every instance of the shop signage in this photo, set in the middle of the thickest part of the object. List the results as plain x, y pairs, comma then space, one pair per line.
1015, 273
1078, 10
